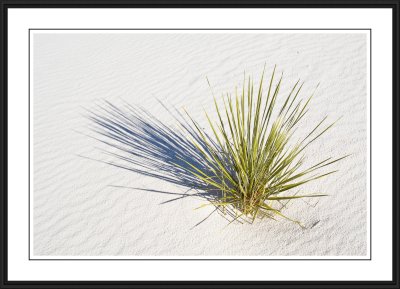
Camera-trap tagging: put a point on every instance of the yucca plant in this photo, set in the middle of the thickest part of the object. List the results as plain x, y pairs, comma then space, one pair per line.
251, 157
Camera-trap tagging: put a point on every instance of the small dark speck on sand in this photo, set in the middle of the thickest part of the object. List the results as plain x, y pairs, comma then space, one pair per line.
314, 224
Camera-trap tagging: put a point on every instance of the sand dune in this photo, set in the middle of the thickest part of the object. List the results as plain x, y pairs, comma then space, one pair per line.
83, 207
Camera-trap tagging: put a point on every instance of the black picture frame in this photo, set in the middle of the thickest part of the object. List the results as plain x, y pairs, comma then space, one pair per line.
5, 5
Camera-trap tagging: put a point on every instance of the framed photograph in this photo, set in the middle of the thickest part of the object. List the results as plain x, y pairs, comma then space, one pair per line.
227, 144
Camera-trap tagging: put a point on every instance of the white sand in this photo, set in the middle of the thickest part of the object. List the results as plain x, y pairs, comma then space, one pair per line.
83, 207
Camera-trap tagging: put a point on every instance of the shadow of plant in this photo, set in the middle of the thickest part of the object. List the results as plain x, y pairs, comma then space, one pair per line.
143, 144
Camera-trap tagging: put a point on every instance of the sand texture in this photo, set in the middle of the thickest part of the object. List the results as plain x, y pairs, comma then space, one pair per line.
83, 206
